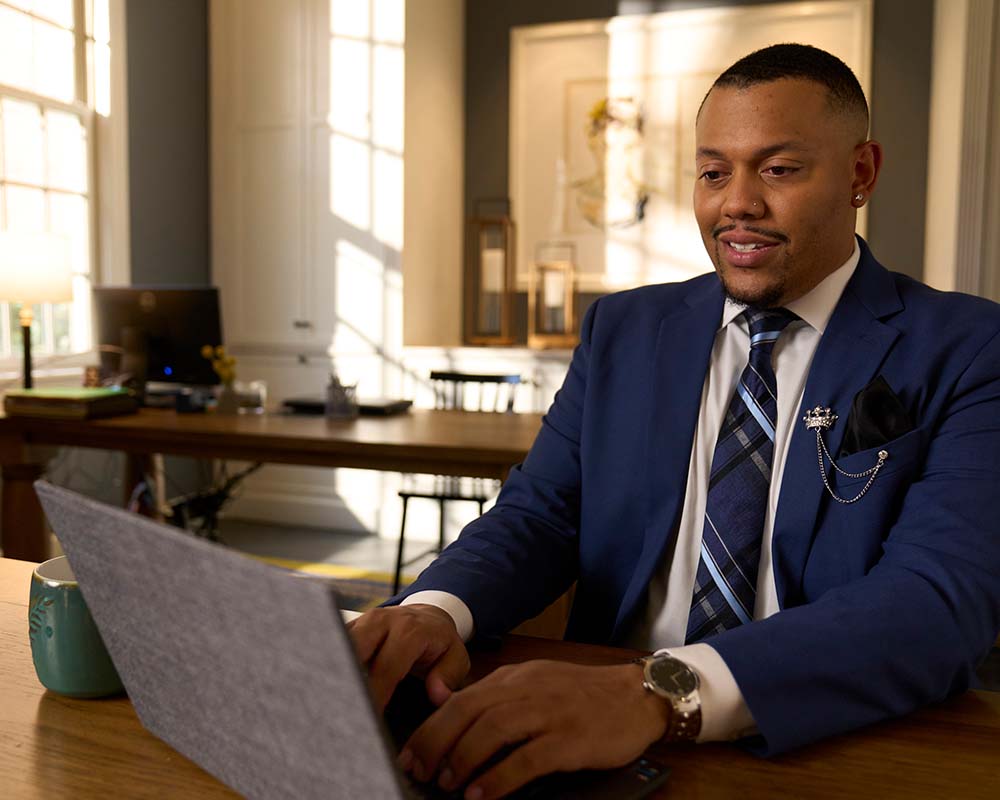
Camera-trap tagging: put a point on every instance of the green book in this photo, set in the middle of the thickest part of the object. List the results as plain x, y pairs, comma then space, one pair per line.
69, 402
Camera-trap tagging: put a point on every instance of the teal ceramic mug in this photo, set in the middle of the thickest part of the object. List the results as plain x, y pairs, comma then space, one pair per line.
69, 654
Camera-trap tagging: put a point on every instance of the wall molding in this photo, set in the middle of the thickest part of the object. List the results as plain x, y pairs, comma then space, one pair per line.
977, 138
990, 277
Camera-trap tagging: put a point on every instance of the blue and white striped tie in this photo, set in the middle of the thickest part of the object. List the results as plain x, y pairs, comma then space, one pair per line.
726, 583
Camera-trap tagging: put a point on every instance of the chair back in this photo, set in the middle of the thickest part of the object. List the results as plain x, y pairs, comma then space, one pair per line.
493, 393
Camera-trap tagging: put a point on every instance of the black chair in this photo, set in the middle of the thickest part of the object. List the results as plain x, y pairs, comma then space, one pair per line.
456, 390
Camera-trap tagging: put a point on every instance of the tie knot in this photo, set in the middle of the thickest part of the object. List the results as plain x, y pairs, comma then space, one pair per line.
766, 325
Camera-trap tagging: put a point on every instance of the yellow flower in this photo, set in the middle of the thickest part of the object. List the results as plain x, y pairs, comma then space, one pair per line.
223, 365
599, 109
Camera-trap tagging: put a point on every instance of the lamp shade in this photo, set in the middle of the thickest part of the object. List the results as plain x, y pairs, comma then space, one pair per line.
35, 268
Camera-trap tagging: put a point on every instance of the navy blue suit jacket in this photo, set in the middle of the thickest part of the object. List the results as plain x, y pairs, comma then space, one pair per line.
886, 604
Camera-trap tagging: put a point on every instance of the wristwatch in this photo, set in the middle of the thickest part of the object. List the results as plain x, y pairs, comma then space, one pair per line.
676, 682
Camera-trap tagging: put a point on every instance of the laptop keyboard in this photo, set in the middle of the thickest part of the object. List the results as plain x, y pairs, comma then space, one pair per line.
410, 706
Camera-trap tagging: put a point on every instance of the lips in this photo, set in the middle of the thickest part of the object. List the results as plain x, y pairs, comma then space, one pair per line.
745, 249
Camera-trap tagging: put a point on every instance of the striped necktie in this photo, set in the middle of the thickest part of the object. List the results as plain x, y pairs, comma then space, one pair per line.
726, 583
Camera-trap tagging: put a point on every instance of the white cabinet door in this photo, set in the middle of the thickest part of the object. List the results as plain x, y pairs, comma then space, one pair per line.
260, 170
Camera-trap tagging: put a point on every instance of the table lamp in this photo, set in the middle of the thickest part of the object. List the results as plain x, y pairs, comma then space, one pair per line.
34, 268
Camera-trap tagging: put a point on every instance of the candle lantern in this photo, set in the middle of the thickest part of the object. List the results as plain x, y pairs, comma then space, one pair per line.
551, 321
489, 277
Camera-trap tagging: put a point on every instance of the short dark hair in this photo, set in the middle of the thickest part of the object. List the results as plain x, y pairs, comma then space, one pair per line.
802, 61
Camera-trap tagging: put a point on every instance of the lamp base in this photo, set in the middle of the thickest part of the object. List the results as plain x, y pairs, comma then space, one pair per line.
25, 317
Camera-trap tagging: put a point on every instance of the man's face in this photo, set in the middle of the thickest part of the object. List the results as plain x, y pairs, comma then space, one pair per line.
777, 171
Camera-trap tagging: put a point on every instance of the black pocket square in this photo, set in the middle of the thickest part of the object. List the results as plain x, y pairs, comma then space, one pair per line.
877, 416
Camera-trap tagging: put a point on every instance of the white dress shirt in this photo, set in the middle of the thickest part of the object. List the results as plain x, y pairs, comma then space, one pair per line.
725, 714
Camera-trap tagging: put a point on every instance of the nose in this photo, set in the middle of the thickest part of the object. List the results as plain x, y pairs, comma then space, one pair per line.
743, 199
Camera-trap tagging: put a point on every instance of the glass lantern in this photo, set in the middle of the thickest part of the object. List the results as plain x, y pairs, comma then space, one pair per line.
551, 321
489, 280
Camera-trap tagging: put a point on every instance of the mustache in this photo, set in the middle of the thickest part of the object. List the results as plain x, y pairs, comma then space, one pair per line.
768, 232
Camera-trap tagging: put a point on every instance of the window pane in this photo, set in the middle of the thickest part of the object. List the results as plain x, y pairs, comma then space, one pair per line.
16, 340
101, 55
59, 11
60, 328
54, 73
69, 217
67, 152
15, 48
25, 209
14, 330
23, 145
102, 22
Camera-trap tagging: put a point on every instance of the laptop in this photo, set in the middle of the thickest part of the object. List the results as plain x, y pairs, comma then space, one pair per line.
367, 406
247, 669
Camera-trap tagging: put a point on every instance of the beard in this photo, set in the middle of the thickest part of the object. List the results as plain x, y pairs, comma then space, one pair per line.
763, 297
767, 297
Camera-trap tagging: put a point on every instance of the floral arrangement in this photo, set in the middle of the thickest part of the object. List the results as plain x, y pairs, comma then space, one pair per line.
223, 364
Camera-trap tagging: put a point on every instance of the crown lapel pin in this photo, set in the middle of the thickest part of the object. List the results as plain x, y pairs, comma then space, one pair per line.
819, 418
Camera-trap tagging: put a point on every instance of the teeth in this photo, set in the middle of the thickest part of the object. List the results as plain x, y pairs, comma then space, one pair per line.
744, 248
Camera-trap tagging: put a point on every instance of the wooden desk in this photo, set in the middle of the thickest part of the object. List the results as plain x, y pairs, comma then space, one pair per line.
437, 442
52, 746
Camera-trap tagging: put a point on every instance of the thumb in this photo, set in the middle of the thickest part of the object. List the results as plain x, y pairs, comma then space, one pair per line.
447, 674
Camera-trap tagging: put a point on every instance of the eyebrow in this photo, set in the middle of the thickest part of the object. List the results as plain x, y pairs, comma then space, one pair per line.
764, 152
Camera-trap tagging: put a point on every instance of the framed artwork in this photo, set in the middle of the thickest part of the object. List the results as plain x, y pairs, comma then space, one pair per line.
602, 117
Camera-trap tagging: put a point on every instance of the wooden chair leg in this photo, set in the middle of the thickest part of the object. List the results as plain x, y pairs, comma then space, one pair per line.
399, 551
481, 504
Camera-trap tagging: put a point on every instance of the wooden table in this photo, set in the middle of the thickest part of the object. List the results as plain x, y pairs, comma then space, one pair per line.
52, 746
437, 442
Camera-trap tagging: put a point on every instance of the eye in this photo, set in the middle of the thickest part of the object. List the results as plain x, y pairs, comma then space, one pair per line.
780, 170
711, 175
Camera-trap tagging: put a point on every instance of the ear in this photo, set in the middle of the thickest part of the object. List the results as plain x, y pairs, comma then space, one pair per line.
867, 164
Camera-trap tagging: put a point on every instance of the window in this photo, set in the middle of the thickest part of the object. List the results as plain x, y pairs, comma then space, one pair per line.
55, 60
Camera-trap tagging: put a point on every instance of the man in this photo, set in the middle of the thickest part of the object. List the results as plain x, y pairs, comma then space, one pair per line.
676, 481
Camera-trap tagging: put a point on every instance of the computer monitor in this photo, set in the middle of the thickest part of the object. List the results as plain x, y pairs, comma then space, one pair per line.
159, 331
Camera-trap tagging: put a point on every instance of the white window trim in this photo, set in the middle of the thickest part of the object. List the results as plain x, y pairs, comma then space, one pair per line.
110, 256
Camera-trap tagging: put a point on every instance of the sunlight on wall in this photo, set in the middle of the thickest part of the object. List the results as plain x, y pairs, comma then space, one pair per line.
388, 210
350, 181
359, 287
365, 122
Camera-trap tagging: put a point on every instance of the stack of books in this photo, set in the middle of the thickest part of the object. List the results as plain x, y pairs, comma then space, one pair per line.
69, 402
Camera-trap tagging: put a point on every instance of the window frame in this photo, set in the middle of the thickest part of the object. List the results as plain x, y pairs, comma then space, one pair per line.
107, 179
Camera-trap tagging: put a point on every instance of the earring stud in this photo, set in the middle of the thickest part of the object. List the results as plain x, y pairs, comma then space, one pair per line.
859, 198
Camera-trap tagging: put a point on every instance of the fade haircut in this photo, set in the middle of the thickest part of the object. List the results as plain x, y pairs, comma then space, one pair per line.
804, 62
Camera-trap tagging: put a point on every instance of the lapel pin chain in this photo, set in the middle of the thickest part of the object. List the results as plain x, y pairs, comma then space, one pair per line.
821, 419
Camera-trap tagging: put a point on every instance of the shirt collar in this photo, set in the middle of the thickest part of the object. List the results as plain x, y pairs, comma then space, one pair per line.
816, 306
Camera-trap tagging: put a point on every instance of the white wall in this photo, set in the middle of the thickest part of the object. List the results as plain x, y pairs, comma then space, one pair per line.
432, 172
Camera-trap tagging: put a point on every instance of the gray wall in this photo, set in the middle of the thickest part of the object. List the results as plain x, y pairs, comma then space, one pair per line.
167, 55
900, 108
170, 222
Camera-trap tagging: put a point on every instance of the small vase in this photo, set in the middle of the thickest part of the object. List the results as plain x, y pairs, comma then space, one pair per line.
228, 402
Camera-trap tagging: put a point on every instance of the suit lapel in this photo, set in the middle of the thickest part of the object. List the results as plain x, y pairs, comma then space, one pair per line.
683, 349
853, 347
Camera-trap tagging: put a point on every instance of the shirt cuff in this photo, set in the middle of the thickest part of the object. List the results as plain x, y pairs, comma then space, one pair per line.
724, 712
455, 608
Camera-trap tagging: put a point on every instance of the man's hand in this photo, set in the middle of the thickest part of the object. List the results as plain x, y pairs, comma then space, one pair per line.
397, 640
558, 717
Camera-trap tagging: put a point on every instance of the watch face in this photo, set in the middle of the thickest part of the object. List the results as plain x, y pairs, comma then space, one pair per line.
673, 676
